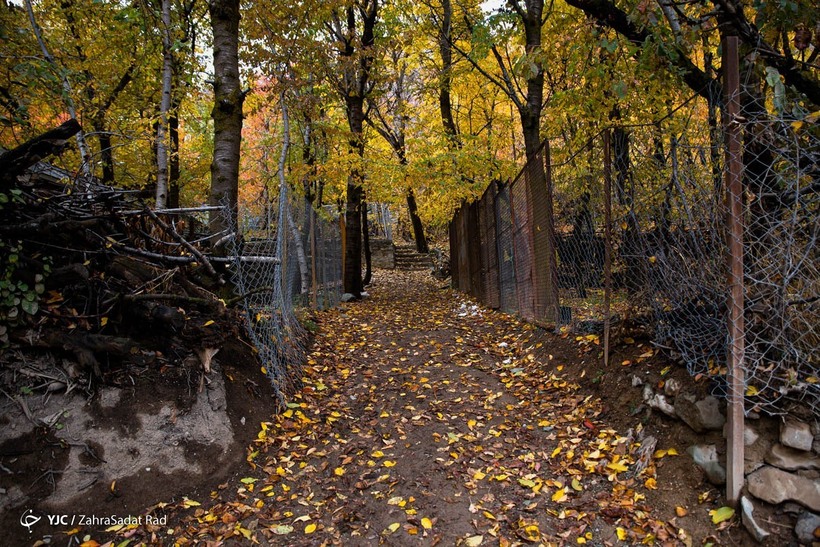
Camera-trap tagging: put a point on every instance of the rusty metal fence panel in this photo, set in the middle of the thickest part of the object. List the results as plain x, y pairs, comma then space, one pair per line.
507, 291
522, 245
475, 251
489, 244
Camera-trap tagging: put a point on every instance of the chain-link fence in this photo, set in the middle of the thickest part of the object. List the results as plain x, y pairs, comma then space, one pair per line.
664, 267
279, 276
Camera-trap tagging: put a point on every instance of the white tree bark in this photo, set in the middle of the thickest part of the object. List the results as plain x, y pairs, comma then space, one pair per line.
85, 152
164, 108
285, 215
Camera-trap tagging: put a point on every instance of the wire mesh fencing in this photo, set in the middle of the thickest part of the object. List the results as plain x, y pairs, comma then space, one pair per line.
663, 267
287, 259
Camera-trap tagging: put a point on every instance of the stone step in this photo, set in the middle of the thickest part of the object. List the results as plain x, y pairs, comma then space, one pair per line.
413, 260
410, 260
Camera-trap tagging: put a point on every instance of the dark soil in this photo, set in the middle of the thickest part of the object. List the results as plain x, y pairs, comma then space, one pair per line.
34, 462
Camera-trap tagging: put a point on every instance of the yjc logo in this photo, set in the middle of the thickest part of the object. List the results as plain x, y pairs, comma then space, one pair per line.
29, 519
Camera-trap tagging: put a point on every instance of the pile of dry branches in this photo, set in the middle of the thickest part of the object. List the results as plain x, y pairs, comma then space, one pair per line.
92, 274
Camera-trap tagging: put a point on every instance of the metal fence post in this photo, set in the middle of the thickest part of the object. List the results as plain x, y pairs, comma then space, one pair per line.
734, 210
607, 241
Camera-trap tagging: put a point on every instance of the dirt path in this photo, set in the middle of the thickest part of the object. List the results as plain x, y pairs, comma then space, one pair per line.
427, 420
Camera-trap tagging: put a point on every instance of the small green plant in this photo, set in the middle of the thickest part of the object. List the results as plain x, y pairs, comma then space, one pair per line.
14, 195
18, 299
310, 326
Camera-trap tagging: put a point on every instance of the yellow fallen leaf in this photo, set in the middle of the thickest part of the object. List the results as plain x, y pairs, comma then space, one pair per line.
751, 391
478, 475
576, 485
310, 528
426, 523
208, 323
530, 532
190, 503
721, 514
560, 495
651, 483
681, 511
378, 454
617, 466
621, 533
389, 463
473, 541
339, 471
393, 527
471, 424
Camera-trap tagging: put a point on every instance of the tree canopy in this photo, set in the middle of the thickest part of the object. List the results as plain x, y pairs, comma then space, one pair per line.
389, 99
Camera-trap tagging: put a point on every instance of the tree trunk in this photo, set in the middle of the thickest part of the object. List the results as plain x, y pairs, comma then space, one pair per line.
353, 206
164, 107
82, 145
418, 229
173, 160
354, 87
368, 261
227, 113
285, 209
445, 49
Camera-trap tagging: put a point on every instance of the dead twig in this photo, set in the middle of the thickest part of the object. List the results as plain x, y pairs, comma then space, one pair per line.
184, 242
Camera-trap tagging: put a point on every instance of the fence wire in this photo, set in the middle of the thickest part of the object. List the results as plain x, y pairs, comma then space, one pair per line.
280, 277
669, 244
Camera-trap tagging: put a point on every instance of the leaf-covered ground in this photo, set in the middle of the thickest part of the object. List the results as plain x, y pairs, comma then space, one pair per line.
425, 419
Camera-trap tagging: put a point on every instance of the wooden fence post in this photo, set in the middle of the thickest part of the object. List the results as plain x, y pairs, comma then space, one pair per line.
734, 219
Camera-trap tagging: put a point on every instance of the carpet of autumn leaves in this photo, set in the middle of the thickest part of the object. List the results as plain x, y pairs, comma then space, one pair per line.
425, 419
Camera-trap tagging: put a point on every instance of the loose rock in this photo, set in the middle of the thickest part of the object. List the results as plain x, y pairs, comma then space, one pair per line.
671, 387
808, 528
747, 508
796, 434
706, 458
701, 415
791, 459
658, 401
774, 485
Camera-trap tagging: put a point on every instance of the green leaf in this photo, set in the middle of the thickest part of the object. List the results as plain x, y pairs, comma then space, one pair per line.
30, 306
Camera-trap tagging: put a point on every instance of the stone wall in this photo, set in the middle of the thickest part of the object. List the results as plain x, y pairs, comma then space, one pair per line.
382, 253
